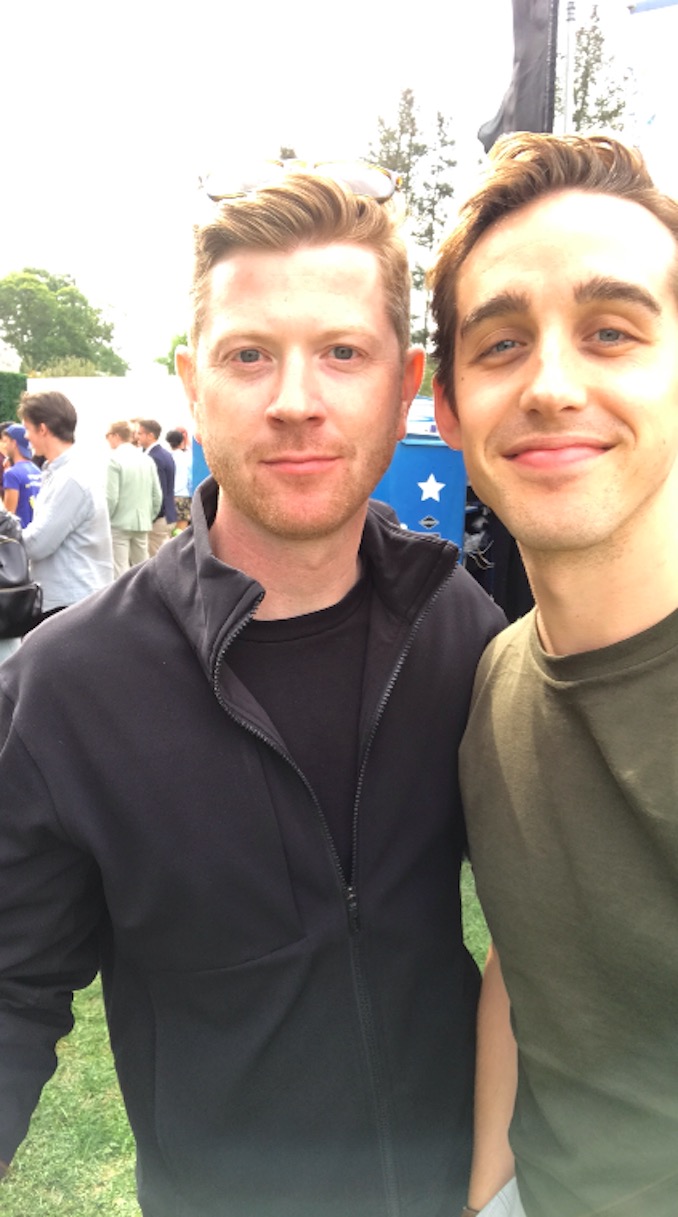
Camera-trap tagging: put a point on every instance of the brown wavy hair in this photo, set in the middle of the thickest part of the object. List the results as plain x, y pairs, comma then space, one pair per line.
53, 409
524, 168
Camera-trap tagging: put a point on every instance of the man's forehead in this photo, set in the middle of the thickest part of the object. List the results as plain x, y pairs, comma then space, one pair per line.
330, 281
572, 235
255, 264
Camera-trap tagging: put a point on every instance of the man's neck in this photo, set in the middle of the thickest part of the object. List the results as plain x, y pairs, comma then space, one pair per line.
54, 448
625, 583
300, 576
584, 603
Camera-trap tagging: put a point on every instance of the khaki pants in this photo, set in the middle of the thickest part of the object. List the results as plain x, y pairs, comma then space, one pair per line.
129, 548
160, 532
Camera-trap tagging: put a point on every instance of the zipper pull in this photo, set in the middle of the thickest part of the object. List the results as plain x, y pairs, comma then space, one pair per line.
353, 914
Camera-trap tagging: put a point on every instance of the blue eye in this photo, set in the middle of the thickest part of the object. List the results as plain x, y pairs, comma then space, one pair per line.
250, 355
500, 347
608, 334
343, 352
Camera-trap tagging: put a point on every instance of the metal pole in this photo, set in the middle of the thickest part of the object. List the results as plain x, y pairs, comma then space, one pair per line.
570, 47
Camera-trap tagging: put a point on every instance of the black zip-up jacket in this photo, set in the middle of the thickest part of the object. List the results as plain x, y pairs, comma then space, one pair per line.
289, 1042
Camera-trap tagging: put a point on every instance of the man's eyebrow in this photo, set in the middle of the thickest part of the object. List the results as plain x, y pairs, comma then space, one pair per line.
254, 337
601, 288
496, 306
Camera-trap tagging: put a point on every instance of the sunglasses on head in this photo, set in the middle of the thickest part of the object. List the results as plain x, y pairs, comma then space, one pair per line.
360, 177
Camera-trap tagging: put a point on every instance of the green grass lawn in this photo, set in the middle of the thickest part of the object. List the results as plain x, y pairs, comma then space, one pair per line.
476, 934
78, 1159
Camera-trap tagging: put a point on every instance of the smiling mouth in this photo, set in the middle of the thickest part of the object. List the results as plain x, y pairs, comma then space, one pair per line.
550, 454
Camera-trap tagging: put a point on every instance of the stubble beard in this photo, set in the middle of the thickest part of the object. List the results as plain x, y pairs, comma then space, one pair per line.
298, 514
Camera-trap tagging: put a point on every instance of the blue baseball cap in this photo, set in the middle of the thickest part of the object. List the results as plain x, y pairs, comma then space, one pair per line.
18, 433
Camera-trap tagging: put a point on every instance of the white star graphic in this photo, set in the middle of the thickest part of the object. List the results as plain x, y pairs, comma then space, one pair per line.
430, 489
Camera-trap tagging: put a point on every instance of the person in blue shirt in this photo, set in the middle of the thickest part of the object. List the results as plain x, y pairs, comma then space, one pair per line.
22, 481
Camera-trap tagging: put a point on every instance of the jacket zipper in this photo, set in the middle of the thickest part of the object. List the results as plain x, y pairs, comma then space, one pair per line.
349, 889
378, 716
348, 892
364, 1001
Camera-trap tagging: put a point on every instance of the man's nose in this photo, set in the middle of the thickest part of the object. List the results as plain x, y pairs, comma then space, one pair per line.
296, 397
555, 378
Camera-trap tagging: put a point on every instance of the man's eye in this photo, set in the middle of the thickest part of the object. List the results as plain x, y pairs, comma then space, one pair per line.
607, 333
343, 352
249, 355
498, 348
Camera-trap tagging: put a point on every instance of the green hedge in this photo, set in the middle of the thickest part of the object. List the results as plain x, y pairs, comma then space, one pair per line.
12, 385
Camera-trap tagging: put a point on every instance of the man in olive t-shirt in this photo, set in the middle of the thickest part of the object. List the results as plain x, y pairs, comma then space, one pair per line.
555, 299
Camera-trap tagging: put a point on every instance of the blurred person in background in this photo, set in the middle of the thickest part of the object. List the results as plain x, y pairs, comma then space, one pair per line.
22, 481
133, 498
4, 459
148, 433
68, 540
179, 446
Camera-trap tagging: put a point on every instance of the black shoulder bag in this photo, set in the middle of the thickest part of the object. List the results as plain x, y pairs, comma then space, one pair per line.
20, 597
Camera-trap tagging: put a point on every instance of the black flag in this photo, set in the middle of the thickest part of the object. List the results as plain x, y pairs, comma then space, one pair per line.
529, 100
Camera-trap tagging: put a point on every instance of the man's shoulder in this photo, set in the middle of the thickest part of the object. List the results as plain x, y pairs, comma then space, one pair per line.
11, 477
21, 474
97, 633
470, 607
127, 456
81, 471
507, 649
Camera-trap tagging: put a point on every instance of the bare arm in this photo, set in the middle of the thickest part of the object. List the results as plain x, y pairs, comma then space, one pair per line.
11, 499
496, 1080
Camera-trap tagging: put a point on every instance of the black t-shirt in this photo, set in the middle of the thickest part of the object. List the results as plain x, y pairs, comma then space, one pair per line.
307, 673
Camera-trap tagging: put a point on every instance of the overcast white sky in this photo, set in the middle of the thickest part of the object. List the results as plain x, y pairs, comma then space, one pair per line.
110, 111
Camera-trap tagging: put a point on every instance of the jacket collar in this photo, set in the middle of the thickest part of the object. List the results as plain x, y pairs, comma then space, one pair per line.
210, 600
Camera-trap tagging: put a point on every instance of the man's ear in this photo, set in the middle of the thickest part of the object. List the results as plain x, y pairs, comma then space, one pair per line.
184, 365
413, 374
446, 418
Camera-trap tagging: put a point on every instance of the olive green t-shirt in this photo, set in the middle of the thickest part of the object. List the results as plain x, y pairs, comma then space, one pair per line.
569, 771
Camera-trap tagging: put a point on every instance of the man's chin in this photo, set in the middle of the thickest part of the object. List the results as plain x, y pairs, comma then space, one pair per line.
288, 526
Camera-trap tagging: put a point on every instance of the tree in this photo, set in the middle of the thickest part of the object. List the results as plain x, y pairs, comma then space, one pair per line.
426, 167
432, 205
601, 87
12, 385
69, 365
432, 202
167, 361
400, 147
45, 318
